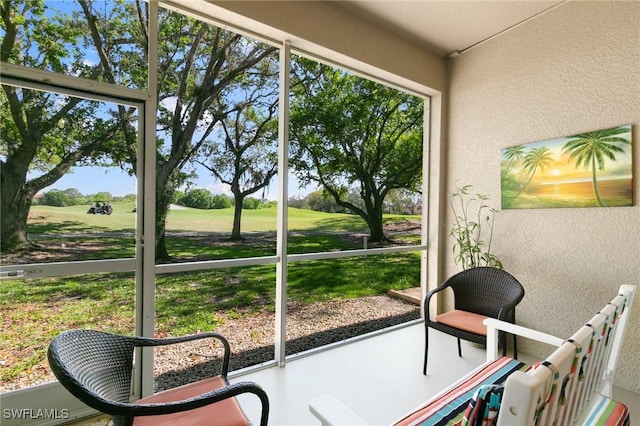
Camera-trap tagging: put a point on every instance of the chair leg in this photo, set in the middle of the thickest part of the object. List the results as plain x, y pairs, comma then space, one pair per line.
121, 420
515, 347
459, 348
426, 349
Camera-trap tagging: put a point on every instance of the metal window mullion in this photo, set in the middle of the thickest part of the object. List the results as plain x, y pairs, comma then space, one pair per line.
282, 220
32, 78
426, 152
57, 269
351, 253
145, 291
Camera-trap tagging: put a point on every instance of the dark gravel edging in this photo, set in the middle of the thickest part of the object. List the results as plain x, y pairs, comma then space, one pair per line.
341, 320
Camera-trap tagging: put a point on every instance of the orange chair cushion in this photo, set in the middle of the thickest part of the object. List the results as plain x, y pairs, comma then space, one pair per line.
463, 320
226, 412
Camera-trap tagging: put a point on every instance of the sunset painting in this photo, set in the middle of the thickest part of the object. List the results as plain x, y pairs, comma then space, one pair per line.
592, 169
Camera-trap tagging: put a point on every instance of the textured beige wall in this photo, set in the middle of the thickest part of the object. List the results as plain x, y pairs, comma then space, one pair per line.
573, 70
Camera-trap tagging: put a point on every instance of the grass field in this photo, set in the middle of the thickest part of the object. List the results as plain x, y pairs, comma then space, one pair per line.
35, 310
51, 220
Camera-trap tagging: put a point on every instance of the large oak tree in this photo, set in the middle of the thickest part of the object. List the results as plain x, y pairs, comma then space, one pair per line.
196, 62
243, 154
43, 133
352, 134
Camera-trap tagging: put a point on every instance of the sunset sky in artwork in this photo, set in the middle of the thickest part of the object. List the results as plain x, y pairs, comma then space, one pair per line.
564, 169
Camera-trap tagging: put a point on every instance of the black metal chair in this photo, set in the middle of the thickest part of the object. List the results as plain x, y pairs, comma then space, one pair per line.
96, 367
478, 293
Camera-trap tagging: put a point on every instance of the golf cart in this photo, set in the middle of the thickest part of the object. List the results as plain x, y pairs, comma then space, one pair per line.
100, 207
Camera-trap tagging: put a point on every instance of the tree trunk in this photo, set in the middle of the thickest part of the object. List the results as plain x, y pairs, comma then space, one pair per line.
14, 214
15, 202
161, 248
374, 220
594, 184
237, 218
533, 172
164, 195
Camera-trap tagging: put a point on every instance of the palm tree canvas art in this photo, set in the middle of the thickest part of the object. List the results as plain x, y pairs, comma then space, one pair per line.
592, 169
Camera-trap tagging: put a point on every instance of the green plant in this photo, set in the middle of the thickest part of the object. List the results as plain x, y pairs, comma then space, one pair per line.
473, 221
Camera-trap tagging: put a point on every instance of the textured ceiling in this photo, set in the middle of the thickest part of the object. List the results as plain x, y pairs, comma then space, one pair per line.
448, 25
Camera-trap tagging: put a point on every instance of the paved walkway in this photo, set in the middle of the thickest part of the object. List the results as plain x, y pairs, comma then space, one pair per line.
411, 295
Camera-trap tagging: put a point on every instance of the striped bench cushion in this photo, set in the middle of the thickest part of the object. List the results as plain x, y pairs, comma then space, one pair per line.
607, 412
449, 408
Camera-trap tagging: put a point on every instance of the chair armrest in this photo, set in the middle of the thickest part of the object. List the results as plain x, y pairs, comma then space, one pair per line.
502, 313
436, 290
154, 341
332, 412
494, 325
431, 294
151, 341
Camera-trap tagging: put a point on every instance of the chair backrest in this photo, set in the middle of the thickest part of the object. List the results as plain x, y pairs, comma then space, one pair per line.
607, 329
580, 368
537, 396
94, 366
574, 388
623, 303
486, 290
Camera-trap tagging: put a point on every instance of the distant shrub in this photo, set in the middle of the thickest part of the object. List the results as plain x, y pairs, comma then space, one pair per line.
178, 197
251, 203
55, 198
221, 201
198, 199
102, 196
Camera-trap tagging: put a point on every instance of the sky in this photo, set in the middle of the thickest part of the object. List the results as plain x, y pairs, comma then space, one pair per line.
563, 168
91, 180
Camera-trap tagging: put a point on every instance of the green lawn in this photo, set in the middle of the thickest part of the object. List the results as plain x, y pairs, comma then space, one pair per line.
35, 310
63, 220
51, 220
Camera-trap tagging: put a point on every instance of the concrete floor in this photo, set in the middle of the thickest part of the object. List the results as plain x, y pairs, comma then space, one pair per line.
379, 378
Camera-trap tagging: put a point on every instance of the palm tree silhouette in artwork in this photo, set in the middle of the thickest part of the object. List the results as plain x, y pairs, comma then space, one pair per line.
590, 149
513, 154
537, 158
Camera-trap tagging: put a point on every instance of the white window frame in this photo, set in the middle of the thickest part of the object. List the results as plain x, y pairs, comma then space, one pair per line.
146, 102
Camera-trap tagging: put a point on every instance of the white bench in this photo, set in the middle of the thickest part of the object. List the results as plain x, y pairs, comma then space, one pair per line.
573, 385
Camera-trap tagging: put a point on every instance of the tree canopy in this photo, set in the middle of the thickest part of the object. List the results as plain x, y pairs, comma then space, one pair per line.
243, 153
43, 133
196, 63
353, 134
217, 105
